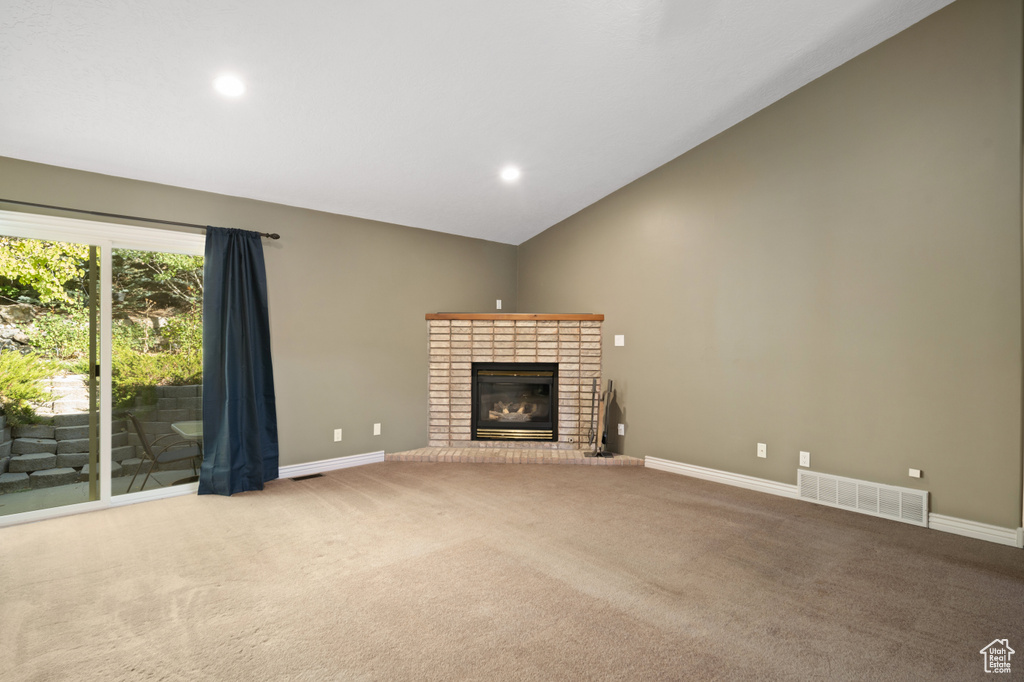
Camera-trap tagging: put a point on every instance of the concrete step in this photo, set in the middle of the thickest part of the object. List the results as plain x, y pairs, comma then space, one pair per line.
185, 465
189, 403
122, 453
130, 466
33, 431
52, 477
72, 382
71, 378
69, 382
179, 391
176, 466
12, 483
70, 404
71, 432
75, 445
154, 429
171, 416
82, 444
69, 391
32, 462
71, 419
5, 448
28, 446
116, 470
66, 393
3, 464
73, 459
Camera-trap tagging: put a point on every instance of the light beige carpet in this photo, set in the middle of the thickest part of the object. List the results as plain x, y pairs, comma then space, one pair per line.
410, 571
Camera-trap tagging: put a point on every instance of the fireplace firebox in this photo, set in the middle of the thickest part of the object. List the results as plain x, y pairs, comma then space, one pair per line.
515, 401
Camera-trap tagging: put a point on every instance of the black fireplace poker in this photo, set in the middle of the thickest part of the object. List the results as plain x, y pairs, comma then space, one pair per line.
601, 413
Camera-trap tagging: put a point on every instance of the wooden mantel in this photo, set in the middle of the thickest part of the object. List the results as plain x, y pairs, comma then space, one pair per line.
590, 317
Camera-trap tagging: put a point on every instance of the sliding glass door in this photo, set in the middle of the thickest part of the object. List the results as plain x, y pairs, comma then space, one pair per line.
49, 391
100, 364
156, 369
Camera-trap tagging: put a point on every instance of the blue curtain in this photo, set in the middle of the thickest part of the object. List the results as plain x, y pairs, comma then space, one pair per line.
239, 410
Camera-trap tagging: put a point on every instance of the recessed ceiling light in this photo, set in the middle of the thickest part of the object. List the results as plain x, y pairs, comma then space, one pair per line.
229, 85
510, 173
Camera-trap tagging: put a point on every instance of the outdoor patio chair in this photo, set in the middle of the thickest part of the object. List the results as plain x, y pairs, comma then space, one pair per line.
157, 455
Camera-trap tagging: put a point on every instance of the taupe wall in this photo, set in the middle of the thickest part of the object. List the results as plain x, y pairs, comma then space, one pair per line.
840, 273
347, 300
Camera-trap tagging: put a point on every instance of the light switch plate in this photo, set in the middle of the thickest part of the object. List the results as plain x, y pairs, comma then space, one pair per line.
499, 304
620, 339
376, 429
915, 473
337, 435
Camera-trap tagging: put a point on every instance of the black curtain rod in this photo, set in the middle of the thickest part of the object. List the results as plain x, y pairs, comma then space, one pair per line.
268, 235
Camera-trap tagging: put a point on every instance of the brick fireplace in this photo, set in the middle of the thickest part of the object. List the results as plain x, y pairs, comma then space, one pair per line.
457, 340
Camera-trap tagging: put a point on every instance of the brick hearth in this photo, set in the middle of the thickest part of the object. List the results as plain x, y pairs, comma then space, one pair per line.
458, 340
510, 455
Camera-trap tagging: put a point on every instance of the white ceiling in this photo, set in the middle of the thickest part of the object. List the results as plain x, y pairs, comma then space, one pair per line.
406, 111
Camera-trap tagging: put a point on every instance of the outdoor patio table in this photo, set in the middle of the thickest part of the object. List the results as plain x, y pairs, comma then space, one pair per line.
192, 430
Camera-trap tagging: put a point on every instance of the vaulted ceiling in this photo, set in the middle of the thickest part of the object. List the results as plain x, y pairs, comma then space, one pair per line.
407, 111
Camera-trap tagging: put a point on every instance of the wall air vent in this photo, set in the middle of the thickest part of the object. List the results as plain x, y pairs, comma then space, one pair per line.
888, 501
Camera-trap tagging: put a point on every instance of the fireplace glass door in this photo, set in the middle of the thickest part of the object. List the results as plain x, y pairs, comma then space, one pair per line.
515, 401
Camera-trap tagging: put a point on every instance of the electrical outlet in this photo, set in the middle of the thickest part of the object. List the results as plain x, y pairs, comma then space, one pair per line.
376, 429
762, 450
499, 304
915, 473
805, 459
622, 429
337, 435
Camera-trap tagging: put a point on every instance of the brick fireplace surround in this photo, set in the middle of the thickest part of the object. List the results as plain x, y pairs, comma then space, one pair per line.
457, 340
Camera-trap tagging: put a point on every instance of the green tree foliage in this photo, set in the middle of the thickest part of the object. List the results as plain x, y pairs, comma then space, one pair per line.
45, 268
53, 274
136, 374
145, 284
63, 336
143, 279
184, 333
20, 389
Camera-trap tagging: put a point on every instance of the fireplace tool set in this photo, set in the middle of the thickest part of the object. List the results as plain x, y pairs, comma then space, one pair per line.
600, 416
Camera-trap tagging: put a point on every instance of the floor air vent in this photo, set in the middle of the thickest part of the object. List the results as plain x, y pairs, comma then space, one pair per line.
888, 501
307, 477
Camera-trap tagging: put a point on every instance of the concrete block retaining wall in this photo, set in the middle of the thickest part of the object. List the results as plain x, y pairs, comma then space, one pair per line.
56, 451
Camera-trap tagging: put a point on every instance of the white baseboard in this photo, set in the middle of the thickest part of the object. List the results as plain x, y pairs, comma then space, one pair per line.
1014, 537
320, 466
739, 480
973, 529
